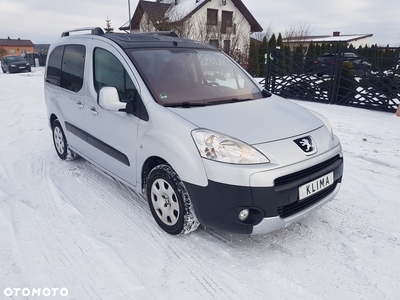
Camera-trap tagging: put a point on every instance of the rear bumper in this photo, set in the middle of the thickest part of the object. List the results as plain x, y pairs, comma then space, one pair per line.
272, 207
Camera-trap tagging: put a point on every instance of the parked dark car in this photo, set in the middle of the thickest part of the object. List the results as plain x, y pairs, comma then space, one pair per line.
325, 63
14, 63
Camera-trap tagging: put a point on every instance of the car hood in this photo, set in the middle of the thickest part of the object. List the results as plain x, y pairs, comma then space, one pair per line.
255, 121
18, 63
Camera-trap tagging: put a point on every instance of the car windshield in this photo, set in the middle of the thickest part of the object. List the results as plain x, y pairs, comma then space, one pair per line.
193, 77
15, 58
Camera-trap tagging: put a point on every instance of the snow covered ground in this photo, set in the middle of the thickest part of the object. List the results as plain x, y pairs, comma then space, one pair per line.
68, 225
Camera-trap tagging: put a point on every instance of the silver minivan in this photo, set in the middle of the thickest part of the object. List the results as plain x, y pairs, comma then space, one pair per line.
186, 127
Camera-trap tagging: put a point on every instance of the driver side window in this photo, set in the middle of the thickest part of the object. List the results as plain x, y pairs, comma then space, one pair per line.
108, 71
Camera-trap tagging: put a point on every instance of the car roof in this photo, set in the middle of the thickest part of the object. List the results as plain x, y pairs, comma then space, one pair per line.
158, 39
153, 40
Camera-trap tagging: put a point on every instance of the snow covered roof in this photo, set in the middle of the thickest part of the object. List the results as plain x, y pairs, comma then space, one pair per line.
327, 38
184, 8
180, 10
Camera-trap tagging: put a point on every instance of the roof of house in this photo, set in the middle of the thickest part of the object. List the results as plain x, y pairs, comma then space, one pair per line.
15, 42
183, 10
327, 38
154, 10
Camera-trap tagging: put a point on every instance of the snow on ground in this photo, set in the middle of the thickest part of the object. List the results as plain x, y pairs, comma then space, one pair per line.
68, 225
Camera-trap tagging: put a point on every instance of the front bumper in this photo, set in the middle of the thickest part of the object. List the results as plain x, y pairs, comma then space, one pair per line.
19, 69
272, 207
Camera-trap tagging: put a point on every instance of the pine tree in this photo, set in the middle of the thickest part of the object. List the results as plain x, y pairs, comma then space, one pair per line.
272, 41
279, 42
311, 54
108, 27
253, 66
262, 51
298, 59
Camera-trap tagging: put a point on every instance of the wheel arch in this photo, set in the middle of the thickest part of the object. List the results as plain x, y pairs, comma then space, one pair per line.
149, 164
53, 117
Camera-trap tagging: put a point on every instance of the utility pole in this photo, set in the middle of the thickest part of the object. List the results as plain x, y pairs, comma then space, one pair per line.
129, 9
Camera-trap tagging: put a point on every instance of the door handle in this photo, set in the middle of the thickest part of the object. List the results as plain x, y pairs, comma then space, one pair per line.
93, 110
80, 105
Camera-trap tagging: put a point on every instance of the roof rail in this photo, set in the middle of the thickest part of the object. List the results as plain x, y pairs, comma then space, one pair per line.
168, 33
94, 31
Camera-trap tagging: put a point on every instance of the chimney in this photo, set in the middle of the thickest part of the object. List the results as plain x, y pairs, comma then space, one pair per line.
336, 33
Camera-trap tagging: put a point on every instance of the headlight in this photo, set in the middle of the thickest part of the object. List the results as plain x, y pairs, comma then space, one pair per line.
27, 64
13, 66
218, 147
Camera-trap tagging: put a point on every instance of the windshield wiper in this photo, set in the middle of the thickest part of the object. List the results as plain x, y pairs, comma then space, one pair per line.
184, 104
233, 100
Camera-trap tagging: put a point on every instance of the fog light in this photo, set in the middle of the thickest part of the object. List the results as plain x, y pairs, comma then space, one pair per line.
243, 215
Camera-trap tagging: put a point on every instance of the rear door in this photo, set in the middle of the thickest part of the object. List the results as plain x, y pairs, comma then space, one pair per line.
67, 89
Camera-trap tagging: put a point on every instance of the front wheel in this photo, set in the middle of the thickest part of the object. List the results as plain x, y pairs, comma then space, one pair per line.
61, 144
3, 70
170, 202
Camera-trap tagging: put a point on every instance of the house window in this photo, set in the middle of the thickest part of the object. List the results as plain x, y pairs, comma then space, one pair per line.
214, 43
212, 16
12, 51
227, 20
227, 46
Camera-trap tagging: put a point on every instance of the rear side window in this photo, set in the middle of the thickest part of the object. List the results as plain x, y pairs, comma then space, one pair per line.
72, 68
54, 65
66, 67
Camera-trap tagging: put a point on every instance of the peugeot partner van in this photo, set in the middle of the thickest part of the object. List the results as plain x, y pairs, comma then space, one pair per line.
186, 127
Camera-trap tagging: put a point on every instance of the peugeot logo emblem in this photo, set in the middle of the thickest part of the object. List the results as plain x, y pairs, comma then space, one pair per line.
307, 145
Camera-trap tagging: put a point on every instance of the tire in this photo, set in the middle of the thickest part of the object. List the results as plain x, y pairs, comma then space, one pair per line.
170, 202
61, 144
3, 70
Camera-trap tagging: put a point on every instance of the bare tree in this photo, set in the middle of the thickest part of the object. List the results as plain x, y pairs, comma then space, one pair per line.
234, 40
298, 32
159, 22
267, 33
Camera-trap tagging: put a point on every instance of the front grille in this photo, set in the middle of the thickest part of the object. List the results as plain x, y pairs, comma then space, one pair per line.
286, 187
291, 209
304, 173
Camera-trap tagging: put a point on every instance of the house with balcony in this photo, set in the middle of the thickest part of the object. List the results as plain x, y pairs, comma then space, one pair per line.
226, 24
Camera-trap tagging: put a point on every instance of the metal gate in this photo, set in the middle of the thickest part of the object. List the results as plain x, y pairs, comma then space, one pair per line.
368, 78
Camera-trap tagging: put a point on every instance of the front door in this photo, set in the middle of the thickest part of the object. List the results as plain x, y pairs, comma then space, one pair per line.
112, 135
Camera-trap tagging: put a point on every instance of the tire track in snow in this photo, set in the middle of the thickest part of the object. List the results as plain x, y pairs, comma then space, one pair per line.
121, 203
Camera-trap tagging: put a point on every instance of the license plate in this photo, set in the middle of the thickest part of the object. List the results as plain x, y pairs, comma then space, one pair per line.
22, 67
315, 186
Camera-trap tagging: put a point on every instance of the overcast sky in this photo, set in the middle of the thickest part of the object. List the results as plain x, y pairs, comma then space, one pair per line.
42, 21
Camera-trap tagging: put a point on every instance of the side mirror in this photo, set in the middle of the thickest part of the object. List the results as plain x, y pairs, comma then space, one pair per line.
108, 99
266, 94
